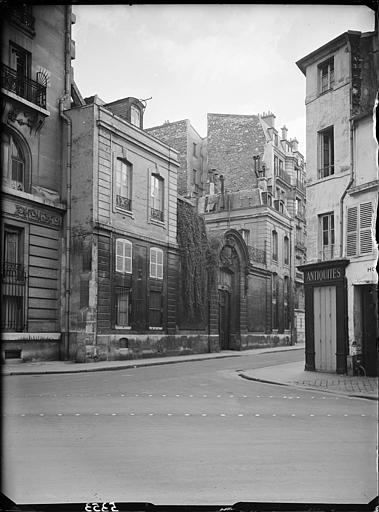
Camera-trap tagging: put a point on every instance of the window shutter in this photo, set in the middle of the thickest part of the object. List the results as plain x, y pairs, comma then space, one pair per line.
365, 234
352, 231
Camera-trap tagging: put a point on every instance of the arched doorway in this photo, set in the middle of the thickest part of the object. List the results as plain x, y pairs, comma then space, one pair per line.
231, 289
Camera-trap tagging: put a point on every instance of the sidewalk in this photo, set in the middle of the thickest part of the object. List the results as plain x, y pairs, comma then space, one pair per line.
293, 374
47, 367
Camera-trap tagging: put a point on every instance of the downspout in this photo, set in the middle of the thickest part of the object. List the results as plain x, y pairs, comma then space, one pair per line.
66, 97
351, 161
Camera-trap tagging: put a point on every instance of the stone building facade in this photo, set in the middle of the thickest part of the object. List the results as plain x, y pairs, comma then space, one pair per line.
342, 201
36, 86
125, 258
192, 155
254, 186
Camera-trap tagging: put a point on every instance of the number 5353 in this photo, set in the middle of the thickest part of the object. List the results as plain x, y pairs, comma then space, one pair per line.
101, 507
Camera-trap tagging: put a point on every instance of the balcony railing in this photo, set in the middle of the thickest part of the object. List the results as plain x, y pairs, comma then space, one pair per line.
124, 203
300, 185
329, 252
280, 173
156, 214
23, 86
13, 296
257, 255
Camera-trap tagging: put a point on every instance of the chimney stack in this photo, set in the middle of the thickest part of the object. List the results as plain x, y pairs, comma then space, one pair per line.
284, 132
269, 118
295, 143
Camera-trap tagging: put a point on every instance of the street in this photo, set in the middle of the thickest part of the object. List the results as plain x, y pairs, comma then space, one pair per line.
190, 433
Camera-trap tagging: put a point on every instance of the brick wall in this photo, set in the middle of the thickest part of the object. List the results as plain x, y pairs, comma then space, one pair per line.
233, 140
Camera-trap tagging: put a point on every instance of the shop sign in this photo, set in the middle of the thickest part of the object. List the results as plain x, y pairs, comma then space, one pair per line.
324, 274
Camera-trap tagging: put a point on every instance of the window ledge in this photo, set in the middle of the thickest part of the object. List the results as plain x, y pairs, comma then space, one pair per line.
158, 223
123, 327
155, 328
129, 213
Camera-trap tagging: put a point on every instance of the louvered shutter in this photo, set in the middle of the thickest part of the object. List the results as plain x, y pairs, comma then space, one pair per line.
352, 231
365, 234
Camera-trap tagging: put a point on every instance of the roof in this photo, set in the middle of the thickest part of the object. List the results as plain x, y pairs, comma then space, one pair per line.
335, 43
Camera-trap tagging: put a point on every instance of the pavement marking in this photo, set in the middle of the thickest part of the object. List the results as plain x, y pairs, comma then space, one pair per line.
22, 414
204, 414
97, 414
346, 415
240, 415
122, 395
131, 414
218, 396
293, 414
311, 415
177, 395
245, 396
363, 415
149, 395
328, 414
60, 414
169, 414
231, 396
191, 396
222, 414
114, 414
274, 414
257, 415
164, 395
77, 414
151, 414
187, 414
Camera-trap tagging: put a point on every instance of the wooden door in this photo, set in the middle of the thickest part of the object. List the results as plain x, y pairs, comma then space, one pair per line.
325, 328
224, 319
369, 329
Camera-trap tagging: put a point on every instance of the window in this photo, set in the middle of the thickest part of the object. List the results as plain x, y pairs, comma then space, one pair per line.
286, 250
275, 246
13, 278
359, 230
280, 167
276, 139
285, 303
123, 184
327, 236
245, 233
274, 300
13, 161
194, 149
326, 71
156, 197
155, 309
276, 163
326, 152
123, 304
20, 61
135, 116
123, 256
156, 263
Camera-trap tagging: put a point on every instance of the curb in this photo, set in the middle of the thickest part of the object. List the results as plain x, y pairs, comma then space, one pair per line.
309, 388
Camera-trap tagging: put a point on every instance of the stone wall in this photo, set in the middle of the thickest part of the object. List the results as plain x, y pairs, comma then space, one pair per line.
232, 141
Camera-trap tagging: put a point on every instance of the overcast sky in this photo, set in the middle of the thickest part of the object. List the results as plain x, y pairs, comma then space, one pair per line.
195, 59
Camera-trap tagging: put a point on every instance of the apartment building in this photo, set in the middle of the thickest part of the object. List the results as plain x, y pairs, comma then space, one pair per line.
36, 85
342, 199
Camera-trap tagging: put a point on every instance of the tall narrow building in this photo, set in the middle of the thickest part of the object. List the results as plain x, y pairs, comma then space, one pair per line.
342, 199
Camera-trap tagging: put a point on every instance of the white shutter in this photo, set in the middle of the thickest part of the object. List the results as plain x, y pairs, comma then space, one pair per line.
352, 231
365, 234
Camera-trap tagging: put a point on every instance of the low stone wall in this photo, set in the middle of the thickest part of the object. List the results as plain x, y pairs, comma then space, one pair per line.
118, 347
29, 351
249, 341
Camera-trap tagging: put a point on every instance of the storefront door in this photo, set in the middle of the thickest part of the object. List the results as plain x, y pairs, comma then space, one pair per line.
325, 328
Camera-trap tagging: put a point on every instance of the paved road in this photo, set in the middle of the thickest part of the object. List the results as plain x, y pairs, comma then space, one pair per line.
192, 433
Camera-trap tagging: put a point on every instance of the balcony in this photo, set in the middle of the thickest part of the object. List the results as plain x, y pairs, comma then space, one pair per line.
257, 255
300, 186
329, 252
280, 173
156, 214
23, 86
13, 296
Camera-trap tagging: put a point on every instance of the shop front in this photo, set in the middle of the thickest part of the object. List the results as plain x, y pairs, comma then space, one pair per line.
326, 335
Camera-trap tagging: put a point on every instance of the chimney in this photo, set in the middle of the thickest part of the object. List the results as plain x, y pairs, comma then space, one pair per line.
269, 118
295, 144
284, 132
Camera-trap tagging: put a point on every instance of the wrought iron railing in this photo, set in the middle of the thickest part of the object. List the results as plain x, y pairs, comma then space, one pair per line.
156, 214
23, 86
124, 203
257, 255
13, 297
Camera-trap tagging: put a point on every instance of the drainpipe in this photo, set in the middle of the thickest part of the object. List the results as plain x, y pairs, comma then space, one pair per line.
351, 162
66, 97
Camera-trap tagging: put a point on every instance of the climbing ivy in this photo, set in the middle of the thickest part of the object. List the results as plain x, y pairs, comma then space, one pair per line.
198, 260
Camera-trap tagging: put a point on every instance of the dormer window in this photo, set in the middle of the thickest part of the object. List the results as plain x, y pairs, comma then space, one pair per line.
135, 116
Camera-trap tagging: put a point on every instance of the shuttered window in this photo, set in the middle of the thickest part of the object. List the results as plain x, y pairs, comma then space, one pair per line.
365, 234
123, 256
156, 263
352, 231
359, 230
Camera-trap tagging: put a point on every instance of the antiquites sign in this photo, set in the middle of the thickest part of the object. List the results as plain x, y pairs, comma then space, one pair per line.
35, 215
324, 274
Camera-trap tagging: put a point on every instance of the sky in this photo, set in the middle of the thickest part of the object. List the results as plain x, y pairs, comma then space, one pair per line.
194, 59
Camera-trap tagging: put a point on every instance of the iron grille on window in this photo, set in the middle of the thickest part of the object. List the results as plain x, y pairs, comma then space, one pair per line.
156, 214
23, 86
124, 203
13, 286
